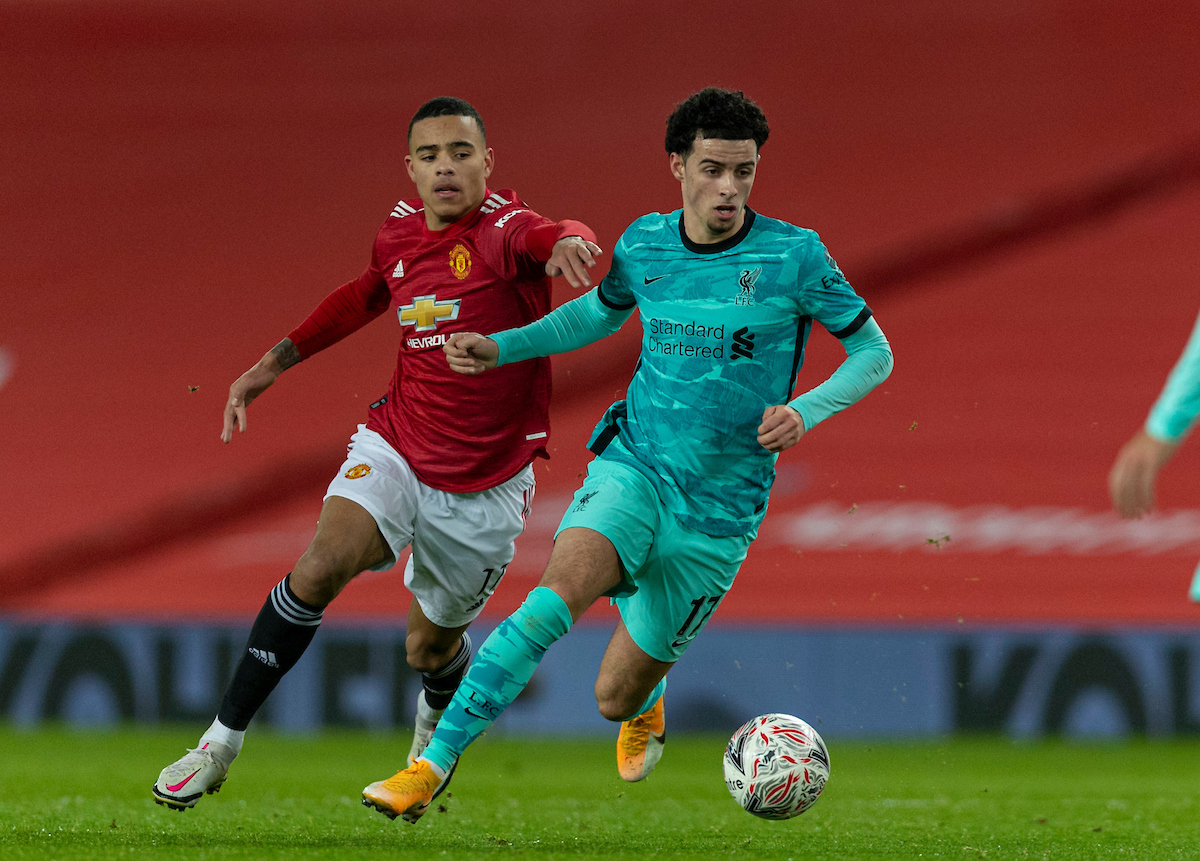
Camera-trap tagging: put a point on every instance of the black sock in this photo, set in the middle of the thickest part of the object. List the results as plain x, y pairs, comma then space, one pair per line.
441, 685
284, 628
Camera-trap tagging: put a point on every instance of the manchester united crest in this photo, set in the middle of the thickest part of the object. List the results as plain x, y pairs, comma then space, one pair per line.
460, 262
358, 471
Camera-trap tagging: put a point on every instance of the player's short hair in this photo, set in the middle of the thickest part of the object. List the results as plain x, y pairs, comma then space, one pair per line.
447, 106
715, 113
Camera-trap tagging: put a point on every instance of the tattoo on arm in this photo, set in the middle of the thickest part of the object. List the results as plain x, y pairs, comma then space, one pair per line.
286, 354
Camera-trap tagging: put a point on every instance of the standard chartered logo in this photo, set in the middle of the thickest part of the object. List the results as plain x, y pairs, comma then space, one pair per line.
690, 340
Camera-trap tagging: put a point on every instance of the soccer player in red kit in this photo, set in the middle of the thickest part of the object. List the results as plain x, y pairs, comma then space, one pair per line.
443, 463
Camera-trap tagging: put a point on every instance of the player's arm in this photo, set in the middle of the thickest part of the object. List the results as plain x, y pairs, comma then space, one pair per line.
1134, 472
568, 327
594, 315
571, 254
345, 310
567, 248
868, 363
824, 289
254, 382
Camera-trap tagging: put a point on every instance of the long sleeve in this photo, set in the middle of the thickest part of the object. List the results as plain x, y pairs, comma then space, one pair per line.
347, 309
1174, 413
518, 241
568, 327
540, 240
867, 364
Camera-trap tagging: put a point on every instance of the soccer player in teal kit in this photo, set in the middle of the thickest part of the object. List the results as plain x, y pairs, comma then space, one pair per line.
1173, 416
684, 464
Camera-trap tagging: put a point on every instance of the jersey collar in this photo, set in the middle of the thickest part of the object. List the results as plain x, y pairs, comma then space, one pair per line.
724, 244
462, 225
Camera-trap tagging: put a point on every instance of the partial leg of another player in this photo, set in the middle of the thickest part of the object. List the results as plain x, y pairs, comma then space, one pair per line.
462, 545
347, 542
441, 655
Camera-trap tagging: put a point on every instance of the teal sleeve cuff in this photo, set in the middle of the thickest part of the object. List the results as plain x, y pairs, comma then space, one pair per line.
568, 327
1174, 413
867, 364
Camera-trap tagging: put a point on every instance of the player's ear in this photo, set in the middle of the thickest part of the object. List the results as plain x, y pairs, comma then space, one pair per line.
408, 165
676, 162
489, 161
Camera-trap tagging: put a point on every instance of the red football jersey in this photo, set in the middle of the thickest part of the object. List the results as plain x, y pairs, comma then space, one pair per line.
484, 273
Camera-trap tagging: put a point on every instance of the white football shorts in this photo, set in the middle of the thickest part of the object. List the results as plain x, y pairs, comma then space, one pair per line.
461, 542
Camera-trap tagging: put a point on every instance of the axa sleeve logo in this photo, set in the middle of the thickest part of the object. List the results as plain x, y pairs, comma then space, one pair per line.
425, 312
834, 276
743, 344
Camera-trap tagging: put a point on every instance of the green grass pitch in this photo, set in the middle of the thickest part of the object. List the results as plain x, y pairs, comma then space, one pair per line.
76, 795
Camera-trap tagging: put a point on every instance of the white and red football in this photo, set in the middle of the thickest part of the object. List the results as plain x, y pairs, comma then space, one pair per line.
776, 766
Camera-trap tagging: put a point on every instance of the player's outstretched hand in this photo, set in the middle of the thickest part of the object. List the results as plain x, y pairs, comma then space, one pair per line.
254, 382
781, 428
244, 390
470, 352
572, 257
1131, 480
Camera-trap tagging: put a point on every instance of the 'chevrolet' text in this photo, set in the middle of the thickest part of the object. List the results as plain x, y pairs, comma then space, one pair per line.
426, 342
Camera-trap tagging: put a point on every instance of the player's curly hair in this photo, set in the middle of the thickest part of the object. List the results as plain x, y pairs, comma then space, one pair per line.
715, 113
446, 106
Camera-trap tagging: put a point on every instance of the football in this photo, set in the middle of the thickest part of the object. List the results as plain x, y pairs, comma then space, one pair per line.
776, 766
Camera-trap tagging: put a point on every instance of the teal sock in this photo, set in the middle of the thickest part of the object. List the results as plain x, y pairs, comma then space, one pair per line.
501, 669
652, 699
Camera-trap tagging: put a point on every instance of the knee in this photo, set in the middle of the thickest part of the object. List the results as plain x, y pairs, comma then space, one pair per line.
615, 710
320, 574
614, 702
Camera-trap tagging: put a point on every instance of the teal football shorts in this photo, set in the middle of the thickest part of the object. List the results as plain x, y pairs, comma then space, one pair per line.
674, 577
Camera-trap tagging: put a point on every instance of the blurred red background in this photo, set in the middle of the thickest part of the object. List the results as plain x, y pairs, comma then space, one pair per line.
184, 183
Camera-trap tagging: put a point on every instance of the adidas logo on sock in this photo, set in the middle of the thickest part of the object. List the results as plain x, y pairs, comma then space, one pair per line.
266, 657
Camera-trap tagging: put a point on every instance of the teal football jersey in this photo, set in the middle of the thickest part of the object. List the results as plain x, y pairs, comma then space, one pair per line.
724, 329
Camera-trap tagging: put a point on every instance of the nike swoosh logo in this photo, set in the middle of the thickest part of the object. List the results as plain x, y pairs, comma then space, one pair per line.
183, 782
467, 709
681, 642
650, 280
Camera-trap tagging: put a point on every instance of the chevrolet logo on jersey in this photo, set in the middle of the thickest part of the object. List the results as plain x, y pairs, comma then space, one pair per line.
426, 312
